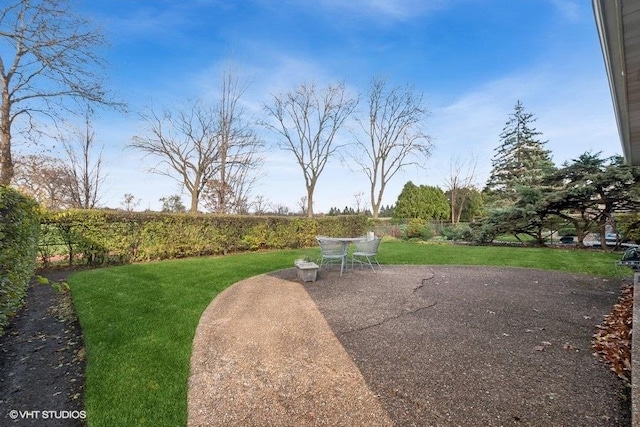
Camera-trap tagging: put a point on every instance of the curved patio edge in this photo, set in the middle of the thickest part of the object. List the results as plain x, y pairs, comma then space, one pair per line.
263, 354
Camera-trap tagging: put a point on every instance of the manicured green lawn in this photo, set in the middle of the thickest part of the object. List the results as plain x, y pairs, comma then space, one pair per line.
585, 261
139, 320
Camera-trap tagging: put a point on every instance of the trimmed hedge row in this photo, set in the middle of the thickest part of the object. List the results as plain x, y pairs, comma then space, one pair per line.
19, 226
99, 237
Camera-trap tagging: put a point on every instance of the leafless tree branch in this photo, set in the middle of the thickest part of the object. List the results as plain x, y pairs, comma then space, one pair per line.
49, 57
307, 122
394, 136
462, 174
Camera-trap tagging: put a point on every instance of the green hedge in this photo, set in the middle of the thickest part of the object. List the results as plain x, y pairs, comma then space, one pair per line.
99, 237
628, 226
19, 226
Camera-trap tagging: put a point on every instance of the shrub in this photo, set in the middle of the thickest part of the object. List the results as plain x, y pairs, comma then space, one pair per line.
100, 237
483, 232
418, 229
629, 226
19, 226
457, 232
567, 231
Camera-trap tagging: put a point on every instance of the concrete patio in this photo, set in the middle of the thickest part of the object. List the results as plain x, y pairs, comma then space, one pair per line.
409, 345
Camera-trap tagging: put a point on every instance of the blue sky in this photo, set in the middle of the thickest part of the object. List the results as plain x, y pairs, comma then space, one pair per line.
472, 60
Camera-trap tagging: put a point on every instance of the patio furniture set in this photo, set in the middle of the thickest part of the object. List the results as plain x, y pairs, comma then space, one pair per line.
334, 250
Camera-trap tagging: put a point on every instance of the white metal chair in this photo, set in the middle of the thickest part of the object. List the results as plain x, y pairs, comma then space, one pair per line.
365, 252
332, 251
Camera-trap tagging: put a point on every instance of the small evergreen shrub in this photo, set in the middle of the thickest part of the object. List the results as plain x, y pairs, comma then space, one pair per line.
567, 231
418, 229
629, 226
457, 232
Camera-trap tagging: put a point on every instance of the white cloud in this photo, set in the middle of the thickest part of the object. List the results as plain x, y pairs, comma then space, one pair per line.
573, 113
379, 10
570, 9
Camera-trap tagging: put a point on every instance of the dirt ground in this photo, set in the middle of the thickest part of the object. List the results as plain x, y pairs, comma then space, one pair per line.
42, 361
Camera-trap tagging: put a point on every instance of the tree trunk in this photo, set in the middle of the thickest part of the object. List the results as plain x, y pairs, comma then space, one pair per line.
310, 204
375, 211
602, 227
194, 201
580, 235
375, 207
453, 194
6, 161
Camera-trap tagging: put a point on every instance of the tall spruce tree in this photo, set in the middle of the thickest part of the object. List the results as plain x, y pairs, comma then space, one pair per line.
521, 160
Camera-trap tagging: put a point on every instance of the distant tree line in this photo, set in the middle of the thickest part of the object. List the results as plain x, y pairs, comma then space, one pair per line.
386, 211
50, 74
526, 194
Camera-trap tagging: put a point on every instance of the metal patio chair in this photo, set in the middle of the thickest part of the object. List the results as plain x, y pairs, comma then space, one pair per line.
332, 251
365, 252
631, 259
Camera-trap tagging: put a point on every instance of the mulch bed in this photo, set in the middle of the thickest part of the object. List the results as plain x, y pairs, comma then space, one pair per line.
42, 360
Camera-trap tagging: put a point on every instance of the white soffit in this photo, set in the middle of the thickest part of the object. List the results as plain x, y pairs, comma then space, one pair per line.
618, 23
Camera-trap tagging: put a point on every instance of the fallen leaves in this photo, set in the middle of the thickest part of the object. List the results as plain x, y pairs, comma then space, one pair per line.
612, 341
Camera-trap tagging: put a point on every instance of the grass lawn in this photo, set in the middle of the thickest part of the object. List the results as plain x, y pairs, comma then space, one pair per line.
585, 261
139, 320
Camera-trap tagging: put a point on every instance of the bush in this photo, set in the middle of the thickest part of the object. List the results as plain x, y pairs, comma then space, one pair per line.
387, 227
19, 228
567, 231
483, 232
628, 226
457, 232
101, 237
418, 229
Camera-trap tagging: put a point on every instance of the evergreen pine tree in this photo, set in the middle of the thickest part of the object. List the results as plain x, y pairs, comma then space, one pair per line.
424, 202
521, 160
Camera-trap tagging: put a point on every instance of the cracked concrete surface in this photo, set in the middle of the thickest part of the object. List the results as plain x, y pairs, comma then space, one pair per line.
409, 345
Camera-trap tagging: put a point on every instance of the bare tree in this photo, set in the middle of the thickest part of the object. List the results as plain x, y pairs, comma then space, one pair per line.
44, 178
172, 203
280, 209
212, 152
361, 205
307, 122
303, 205
86, 174
261, 205
393, 136
47, 57
461, 178
74, 182
186, 145
232, 194
129, 202
239, 159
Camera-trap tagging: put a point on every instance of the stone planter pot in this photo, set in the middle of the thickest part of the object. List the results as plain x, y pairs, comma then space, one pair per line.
307, 271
